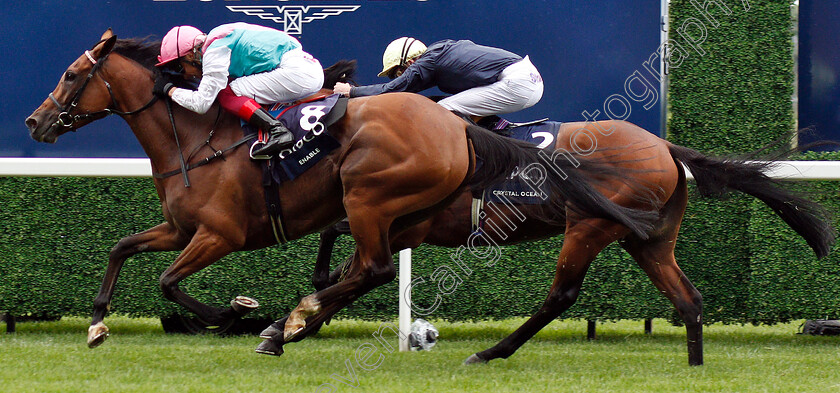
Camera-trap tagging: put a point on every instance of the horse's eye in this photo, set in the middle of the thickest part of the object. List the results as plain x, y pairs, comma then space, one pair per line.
69, 76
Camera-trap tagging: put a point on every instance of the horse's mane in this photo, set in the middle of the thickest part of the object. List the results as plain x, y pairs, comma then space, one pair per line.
142, 50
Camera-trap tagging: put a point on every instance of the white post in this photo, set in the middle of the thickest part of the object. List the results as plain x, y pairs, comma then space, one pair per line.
405, 297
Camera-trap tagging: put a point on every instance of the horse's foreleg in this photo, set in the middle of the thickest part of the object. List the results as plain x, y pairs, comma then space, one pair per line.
162, 237
204, 249
372, 266
322, 278
656, 258
316, 309
273, 334
305, 318
321, 275
581, 244
319, 307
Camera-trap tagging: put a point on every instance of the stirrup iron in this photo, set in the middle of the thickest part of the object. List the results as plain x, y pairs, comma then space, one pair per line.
257, 144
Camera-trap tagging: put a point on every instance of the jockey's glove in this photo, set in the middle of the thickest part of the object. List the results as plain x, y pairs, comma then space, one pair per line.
162, 86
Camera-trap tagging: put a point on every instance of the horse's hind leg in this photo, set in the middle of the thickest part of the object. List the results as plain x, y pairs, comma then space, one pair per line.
162, 237
321, 278
581, 244
372, 266
413, 237
656, 258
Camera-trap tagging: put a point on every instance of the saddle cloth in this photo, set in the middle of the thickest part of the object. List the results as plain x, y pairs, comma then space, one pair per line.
308, 121
513, 190
542, 134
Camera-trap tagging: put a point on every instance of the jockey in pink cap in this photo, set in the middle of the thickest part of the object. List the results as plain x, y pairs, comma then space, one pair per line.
266, 66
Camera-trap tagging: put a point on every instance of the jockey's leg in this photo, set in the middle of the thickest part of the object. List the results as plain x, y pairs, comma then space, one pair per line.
249, 110
298, 76
519, 86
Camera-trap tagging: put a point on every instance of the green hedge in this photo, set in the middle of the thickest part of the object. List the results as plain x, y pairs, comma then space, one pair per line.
59, 231
735, 98
786, 280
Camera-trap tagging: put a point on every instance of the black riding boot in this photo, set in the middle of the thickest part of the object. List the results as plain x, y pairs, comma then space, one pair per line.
279, 137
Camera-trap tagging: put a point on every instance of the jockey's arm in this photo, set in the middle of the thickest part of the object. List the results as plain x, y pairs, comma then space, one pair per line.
417, 77
215, 65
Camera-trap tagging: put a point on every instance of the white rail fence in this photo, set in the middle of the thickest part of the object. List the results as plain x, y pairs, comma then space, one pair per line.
140, 167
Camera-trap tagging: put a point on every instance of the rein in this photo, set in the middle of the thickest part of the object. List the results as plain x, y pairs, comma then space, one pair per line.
67, 120
206, 160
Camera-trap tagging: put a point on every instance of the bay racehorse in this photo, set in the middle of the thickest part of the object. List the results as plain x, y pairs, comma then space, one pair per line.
510, 224
402, 158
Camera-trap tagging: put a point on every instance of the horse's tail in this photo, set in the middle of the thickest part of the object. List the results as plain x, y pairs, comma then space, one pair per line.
716, 176
569, 176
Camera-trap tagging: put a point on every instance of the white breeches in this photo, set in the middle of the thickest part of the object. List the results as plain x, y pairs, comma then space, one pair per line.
519, 86
299, 75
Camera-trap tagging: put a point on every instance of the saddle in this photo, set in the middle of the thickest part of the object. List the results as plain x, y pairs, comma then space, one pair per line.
309, 122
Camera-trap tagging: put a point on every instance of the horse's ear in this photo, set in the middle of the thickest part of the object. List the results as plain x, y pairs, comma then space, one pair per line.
107, 34
107, 46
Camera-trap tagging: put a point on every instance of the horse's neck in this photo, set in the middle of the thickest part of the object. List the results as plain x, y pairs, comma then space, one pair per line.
152, 127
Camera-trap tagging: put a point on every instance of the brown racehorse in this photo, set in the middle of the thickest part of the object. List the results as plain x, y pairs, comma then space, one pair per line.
452, 227
402, 159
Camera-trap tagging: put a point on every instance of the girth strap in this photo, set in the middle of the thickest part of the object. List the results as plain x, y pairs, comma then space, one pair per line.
272, 202
475, 214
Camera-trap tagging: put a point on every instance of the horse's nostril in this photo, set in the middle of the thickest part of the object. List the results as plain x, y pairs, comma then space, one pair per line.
31, 123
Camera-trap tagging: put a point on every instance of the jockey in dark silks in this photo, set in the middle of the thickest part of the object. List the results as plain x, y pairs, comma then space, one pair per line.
483, 80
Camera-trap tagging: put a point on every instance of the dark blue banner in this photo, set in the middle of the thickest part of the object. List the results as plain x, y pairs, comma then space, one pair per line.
584, 50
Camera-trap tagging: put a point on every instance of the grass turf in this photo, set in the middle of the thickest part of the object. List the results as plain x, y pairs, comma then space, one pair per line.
140, 357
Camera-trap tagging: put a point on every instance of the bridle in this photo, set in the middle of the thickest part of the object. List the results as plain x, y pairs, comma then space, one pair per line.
67, 120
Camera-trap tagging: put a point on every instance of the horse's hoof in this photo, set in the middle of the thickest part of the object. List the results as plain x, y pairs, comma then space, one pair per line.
242, 305
269, 347
294, 325
290, 333
308, 307
270, 332
97, 335
474, 359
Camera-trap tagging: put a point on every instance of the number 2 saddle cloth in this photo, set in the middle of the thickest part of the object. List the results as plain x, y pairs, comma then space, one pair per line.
513, 190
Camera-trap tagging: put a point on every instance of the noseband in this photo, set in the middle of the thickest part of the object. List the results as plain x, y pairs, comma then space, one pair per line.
67, 120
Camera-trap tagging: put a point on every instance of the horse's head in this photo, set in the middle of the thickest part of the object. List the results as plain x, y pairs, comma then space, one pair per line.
341, 71
78, 99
